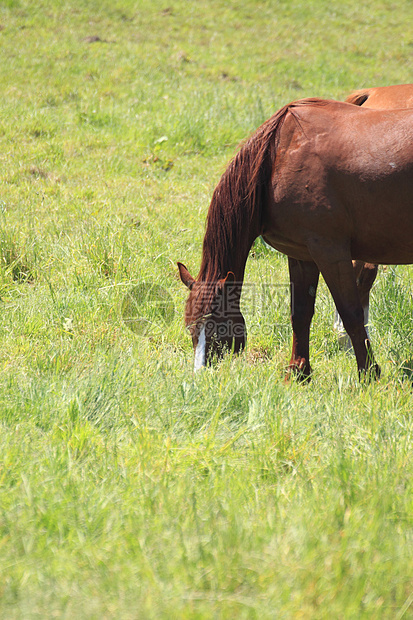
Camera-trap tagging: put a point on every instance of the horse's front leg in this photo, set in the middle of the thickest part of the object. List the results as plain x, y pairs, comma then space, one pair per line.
341, 280
303, 279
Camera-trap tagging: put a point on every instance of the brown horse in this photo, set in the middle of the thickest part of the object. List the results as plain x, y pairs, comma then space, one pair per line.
323, 182
383, 97
380, 98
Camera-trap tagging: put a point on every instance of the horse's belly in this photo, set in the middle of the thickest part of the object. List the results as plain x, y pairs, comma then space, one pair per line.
394, 251
383, 232
288, 247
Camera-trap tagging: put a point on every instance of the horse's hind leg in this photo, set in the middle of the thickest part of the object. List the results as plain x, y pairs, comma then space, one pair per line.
365, 274
341, 281
304, 280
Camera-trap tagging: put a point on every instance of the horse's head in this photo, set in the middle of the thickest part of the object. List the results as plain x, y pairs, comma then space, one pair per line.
213, 317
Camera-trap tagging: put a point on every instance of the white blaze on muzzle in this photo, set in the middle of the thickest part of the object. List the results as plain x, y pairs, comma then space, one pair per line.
200, 351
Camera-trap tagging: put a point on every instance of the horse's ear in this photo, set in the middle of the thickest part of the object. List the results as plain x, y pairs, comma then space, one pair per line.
185, 276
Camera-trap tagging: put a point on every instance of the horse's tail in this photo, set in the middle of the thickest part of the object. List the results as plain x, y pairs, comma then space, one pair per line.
359, 97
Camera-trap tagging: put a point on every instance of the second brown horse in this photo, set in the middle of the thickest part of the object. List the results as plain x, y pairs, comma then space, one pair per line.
380, 98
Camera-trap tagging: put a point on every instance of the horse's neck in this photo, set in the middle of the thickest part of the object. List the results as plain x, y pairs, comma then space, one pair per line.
221, 280
233, 223
218, 258
215, 267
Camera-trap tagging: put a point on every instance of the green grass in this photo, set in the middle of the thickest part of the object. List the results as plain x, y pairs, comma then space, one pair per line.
130, 488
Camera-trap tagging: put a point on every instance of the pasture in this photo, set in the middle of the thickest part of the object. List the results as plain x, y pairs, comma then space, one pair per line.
130, 487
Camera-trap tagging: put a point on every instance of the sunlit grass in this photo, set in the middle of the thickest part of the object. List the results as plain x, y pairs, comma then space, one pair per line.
130, 487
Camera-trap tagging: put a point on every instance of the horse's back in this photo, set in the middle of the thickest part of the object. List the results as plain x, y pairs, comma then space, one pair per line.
351, 138
383, 97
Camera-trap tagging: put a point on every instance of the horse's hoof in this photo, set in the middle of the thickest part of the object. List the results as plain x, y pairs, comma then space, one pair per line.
300, 371
377, 371
370, 374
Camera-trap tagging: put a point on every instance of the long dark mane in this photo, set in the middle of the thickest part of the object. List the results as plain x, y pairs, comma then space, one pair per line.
234, 215
237, 200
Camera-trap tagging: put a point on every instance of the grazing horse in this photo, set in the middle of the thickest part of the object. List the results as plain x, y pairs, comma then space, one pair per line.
324, 182
380, 98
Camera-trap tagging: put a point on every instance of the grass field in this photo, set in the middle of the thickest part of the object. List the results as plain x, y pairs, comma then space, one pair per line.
130, 488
